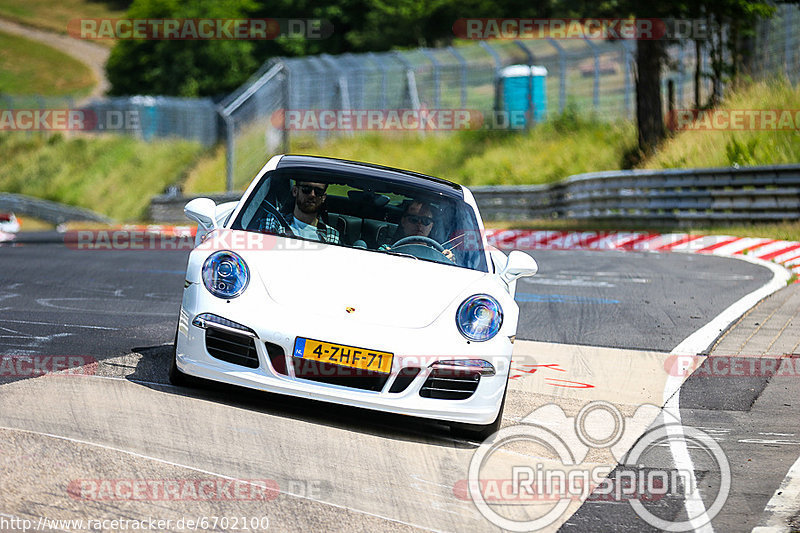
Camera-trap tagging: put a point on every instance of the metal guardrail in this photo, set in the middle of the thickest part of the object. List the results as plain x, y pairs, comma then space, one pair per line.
672, 196
52, 212
669, 197
169, 207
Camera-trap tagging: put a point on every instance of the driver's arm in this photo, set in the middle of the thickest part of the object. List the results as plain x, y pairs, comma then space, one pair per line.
269, 224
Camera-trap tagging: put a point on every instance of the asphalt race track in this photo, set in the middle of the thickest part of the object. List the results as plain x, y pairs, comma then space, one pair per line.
604, 319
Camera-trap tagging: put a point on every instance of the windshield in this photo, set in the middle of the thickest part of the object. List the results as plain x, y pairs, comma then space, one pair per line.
363, 212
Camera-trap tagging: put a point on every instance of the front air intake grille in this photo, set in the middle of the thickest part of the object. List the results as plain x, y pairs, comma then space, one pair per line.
447, 384
230, 347
404, 379
355, 378
277, 357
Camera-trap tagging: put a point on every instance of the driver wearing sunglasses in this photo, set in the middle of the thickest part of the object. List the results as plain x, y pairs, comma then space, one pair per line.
305, 220
417, 221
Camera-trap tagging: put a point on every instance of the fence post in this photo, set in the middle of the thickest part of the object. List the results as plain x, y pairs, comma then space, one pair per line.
463, 63
497, 65
531, 61
681, 73
628, 55
411, 81
287, 105
382, 68
562, 74
596, 88
788, 63
437, 88
230, 134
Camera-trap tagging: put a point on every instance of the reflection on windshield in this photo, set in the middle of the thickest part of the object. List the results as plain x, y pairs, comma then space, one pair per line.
362, 212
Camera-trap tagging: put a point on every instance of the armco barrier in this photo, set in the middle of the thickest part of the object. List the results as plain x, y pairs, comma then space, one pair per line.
169, 207
668, 197
52, 212
664, 197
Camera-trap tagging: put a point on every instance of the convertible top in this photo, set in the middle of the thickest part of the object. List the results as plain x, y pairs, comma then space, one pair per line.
405, 177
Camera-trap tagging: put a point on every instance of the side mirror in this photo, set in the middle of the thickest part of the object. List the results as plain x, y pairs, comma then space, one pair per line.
519, 265
203, 211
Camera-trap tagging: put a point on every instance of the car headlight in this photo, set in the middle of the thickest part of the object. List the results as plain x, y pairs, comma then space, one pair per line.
479, 317
225, 274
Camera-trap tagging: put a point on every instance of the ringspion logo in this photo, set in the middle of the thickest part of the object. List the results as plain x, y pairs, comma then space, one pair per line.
556, 472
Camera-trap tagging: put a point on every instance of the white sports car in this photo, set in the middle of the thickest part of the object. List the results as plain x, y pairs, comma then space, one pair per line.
356, 284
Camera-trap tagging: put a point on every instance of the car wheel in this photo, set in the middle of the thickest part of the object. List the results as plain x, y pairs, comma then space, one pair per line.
478, 432
176, 377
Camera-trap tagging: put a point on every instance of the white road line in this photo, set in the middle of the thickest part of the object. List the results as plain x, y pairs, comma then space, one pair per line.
693, 502
210, 473
48, 302
694, 344
55, 324
783, 504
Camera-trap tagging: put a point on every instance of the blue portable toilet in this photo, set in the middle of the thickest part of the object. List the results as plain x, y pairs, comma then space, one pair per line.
523, 85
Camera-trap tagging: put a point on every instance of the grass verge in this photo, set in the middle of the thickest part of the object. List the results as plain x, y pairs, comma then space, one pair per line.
54, 16
570, 144
723, 148
31, 67
113, 175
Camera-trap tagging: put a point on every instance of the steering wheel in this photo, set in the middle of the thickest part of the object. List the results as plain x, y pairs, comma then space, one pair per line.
413, 239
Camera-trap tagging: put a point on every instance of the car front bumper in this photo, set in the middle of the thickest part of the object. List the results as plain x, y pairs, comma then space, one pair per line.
412, 348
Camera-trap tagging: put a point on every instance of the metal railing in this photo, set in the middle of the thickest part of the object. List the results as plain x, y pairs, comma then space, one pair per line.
668, 197
591, 76
672, 196
52, 212
143, 117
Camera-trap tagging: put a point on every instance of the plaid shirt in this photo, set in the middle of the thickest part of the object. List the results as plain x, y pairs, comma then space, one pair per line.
325, 233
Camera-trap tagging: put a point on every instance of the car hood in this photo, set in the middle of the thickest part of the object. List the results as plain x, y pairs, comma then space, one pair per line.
367, 286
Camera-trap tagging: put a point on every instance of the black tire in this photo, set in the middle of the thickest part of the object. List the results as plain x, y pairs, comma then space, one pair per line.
478, 432
176, 377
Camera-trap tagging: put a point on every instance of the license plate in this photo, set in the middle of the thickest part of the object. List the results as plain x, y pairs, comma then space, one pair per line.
340, 354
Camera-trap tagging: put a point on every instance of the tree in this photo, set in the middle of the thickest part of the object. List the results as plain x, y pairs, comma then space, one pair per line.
739, 16
181, 67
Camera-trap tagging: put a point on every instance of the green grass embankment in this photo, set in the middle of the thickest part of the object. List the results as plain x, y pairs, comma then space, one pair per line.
696, 148
56, 15
30, 67
113, 175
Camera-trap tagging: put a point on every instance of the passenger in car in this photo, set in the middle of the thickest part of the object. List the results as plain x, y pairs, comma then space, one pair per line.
305, 220
417, 220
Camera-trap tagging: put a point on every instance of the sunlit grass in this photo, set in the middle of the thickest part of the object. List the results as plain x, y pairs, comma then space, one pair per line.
56, 15
723, 148
30, 67
113, 175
